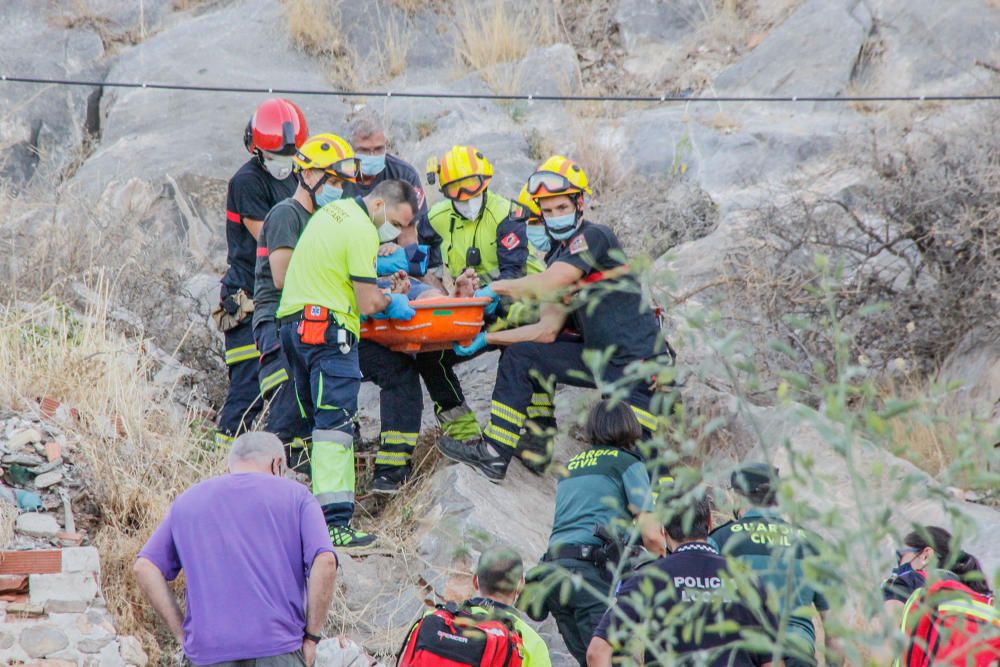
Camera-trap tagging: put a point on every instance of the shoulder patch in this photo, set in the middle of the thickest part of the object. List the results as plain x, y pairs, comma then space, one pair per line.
578, 245
510, 241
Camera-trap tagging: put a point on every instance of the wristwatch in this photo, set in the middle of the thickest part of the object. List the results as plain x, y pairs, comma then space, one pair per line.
316, 639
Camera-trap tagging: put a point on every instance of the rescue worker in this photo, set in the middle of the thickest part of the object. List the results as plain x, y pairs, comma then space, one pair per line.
329, 285
775, 552
322, 166
606, 485
370, 143
605, 308
275, 131
475, 228
687, 589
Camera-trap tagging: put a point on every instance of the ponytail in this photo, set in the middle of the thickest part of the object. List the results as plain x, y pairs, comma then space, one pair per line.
970, 573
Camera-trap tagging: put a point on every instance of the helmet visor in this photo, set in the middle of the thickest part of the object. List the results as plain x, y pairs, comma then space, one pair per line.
545, 183
346, 169
464, 188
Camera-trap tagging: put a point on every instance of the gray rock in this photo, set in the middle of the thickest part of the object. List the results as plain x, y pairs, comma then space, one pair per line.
36, 524
643, 22
51, 478
131, 651
6, 640
21, 439
110, 656
24, 459
812, 53
81, 559
43, 639
69, 587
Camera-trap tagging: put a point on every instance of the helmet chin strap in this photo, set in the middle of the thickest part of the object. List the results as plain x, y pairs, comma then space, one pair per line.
315, 189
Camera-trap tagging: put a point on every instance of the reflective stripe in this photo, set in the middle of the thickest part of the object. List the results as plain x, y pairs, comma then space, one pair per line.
223, 440
973, 609
297, 443
261, 251
540, 411
233, 216
392, 458
502, 436
453, 414
331, 498
241, 353
398, 438
646, 419
332, 437
541, 399
273, 380
506, 412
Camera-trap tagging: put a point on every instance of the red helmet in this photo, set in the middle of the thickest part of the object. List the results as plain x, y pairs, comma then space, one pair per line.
277, 126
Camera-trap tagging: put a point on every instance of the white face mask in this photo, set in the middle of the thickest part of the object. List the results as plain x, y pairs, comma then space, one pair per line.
469, 208
278, 166
388, 232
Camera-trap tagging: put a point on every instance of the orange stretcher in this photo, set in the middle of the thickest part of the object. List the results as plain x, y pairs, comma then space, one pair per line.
438, 323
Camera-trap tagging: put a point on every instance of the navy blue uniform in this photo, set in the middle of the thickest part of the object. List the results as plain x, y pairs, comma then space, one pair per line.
252, 193
679, 599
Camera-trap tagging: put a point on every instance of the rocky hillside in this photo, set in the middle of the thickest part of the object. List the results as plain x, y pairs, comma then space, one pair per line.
771, 229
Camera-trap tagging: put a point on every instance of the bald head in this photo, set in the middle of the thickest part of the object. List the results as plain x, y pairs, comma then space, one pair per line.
256, 452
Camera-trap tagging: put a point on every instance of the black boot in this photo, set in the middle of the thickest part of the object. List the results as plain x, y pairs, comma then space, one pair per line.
477, 454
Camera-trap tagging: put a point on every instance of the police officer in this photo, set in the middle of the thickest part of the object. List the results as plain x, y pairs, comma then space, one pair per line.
322, 165
330, 283
606, 485
605, 308
775, 551
275, 131
682, 602
475, 228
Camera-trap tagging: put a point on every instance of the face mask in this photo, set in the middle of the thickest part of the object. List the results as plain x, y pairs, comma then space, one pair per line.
561, 227
388, 232
469, 208
372, 164
328, 194
280, 168
539, 237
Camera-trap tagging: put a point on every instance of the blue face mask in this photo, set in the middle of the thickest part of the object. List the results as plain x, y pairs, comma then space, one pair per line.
328, 194
539, 238
561, 227
372, 164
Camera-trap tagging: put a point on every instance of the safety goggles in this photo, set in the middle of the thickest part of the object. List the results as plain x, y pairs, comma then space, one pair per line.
905, 551
464, 188
549, 182
346, 169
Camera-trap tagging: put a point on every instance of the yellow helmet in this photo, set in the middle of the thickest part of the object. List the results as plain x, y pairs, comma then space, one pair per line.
462, 173
329, 153
530, 205
557, 176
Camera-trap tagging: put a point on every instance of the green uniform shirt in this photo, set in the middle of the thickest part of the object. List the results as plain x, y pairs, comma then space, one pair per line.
336, 249
536, 653
774, 550
600, 485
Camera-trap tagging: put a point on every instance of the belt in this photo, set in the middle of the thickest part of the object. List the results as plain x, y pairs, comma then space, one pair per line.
584, 552
290, 319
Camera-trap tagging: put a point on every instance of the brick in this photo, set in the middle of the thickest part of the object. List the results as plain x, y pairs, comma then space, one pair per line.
53, 452
13, 583
45, 561
81, 559
65, 587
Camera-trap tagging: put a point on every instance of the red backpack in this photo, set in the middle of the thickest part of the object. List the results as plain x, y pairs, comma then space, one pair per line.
947, 623
451, 636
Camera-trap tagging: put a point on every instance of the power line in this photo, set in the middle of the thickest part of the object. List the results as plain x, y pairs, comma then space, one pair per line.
649, 99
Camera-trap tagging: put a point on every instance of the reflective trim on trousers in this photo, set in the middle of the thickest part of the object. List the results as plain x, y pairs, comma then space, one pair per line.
332, 464
241, 353
398, 438
646, 419
457, 412
507, 413
541, 398
500, 435
331, 497
392, 458
536, 411
223, 440
273, 380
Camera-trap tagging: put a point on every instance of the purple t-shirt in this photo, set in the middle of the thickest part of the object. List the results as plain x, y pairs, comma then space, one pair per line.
246, 543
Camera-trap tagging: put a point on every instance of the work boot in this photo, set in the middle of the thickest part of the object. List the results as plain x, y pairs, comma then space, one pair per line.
535, 451
477, 454
346, 537
389, 479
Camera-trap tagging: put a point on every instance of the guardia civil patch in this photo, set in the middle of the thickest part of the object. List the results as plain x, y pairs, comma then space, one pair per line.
578, 245
510, 241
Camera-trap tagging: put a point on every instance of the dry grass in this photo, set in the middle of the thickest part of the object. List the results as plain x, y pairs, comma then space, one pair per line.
315, 28
131, 480
593, 149
497, 34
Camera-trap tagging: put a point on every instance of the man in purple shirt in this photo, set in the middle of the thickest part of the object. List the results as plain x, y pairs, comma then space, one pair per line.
258, 561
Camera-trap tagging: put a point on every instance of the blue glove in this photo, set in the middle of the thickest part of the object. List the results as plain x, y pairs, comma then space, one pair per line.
478, 343
399, 308
397, 261
417, 256
491, 308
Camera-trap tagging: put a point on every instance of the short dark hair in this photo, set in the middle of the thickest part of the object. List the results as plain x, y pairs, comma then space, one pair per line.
963, 565
613, 425
499, 571
757, 482
690, 516
396, 192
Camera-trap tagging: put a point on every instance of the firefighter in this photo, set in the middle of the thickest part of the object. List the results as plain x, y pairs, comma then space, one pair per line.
330, 283
323, 165
275, 131
586, 267
471, 228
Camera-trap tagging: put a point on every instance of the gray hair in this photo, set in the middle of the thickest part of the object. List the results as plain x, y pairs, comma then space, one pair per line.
366, 125
256, 447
